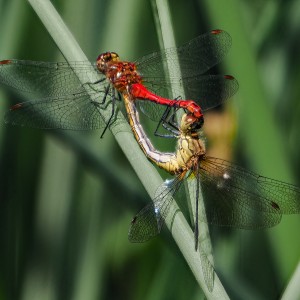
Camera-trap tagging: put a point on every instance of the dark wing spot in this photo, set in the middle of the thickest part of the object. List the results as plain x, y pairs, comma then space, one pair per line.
275, 205
16, 106
229, 77
216, 31
5, 62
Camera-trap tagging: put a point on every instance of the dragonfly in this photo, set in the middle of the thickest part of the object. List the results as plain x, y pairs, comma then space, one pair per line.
58, 99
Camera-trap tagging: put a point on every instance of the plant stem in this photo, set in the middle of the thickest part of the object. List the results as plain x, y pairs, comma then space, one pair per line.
165, 32
292, 291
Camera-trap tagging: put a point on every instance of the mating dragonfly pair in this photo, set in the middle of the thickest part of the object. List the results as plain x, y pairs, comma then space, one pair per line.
233, 196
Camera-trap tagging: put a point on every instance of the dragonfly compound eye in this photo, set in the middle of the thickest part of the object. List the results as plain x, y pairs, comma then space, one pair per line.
197, 125
114, 56
105, 58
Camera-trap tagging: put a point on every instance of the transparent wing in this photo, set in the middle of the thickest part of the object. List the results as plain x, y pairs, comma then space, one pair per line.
236, 197
61, 101
232, 195
195, 57
75, 112
149, 221
45, 79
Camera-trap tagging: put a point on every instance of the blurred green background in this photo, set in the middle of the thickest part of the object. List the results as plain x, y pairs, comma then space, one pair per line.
67, 198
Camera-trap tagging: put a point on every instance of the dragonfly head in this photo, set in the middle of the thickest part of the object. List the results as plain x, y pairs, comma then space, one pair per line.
104, 59
190, 124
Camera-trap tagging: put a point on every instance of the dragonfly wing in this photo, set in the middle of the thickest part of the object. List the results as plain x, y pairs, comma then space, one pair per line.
160, 74
151, 109
145, 225
236, 197
211, 90
75, 112
45, 79
195, 57
149, 221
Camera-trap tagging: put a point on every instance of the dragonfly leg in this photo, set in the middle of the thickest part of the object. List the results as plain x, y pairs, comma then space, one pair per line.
105, 95
172, 120
119, 97
101, 104
92, 84
112, 109
162, 119
95, 82
167, 124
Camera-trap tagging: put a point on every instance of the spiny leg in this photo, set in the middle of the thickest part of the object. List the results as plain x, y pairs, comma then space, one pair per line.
166, 124
112, 110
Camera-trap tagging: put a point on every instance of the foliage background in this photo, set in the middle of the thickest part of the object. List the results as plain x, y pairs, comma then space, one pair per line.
67, 198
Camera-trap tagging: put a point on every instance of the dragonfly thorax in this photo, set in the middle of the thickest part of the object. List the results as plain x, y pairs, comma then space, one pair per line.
190, 151
120, 73
190, 148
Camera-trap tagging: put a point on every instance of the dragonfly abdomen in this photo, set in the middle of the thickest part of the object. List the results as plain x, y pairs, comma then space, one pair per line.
188, 147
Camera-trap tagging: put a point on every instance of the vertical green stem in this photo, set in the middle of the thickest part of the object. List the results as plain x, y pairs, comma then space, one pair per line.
165, 32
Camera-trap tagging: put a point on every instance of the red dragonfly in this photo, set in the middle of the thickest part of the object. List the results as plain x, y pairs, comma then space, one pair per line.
59, 100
